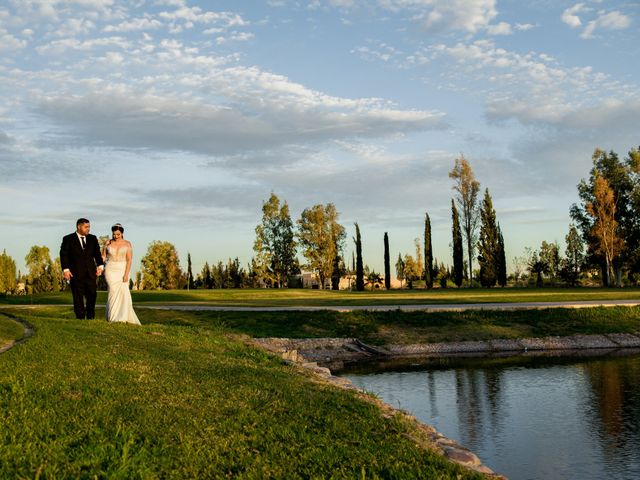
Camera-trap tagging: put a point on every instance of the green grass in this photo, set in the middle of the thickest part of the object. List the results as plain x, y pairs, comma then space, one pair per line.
402, 327
9, 330
300, 297
185, 398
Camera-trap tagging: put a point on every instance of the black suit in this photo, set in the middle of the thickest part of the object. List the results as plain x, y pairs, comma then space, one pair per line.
82, 263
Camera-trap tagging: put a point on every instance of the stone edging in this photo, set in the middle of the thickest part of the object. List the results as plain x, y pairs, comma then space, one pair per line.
329, 350
28, 332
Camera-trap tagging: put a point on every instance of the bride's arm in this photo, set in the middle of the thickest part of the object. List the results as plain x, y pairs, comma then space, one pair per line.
104, 250
125, 278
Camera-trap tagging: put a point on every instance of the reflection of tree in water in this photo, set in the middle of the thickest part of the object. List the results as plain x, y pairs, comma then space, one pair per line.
478, 393
616, 405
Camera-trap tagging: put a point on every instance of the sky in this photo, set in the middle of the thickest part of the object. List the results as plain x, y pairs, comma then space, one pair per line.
178, 118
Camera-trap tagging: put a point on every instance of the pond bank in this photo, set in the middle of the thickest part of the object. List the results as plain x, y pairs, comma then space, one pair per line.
322, 355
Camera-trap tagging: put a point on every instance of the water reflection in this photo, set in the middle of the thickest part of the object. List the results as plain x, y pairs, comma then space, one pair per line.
615, 412
526, 417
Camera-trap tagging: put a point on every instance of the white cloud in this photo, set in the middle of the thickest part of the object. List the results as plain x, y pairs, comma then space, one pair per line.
343, 3
606, 21
10, 43
570, 17
441, 15
58, 47
253, 110
134, 25
197, 15
235, 37
74, 27
524, 26
502, 28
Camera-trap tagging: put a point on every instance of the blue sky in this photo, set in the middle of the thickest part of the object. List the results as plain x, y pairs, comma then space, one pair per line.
178, 118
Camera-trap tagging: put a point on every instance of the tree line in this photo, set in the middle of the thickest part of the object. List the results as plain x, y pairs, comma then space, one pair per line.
606, 221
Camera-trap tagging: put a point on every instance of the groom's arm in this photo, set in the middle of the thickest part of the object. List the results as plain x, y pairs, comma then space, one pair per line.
64, 258
64, 254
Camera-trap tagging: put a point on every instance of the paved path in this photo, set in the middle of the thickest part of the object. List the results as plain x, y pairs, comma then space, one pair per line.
28, 332
441, 307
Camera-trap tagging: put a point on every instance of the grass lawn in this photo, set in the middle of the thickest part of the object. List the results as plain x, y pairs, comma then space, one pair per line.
184, 396
300, 297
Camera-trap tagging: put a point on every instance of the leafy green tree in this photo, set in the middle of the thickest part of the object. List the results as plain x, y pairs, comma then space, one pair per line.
537, 266
488, 244
632, 234
428, 253
359, 268
419, 267
205, 274
550, 253
161, 267
339, 270
623, 178
101, 282
442, 275
467, 188
218, 275
387, 263
41, 277
400, 269
8, 277
412, 270
458, 254
574, 256
234, 275
321, 238
275, 244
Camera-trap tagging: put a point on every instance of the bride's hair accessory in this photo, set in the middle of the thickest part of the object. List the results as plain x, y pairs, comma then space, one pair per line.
117, 227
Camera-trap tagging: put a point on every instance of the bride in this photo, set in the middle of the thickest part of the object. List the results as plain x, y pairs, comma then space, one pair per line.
117, 254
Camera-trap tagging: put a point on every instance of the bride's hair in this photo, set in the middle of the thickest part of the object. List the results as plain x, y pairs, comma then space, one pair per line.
116, 227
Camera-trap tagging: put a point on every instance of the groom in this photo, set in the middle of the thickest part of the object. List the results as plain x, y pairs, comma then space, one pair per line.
81, 264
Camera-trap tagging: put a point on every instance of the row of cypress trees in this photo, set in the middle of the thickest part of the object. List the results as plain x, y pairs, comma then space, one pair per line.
491, 251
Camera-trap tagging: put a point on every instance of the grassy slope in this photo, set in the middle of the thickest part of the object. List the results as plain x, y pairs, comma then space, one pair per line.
411, 327
89, 399
295, 297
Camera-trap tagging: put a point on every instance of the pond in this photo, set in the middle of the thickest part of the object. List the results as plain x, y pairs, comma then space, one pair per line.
526, 417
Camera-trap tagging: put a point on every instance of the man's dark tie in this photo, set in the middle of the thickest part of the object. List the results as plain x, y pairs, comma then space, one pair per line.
84, 244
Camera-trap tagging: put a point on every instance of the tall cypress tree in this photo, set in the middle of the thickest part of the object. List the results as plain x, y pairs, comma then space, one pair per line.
189, 273
502, 260
387, 263
359, 266
488, 244
458, 255
337, 270
428, 253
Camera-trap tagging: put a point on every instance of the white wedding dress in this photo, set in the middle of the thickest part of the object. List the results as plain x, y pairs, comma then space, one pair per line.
119, 303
